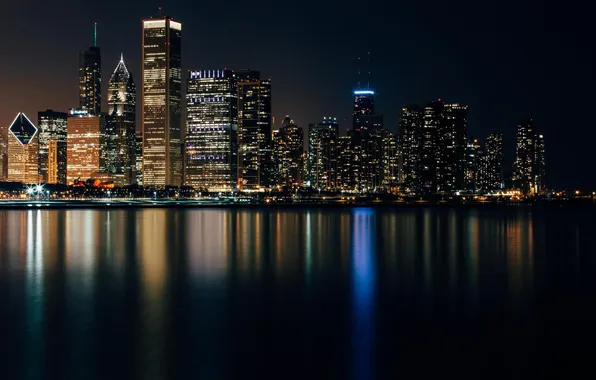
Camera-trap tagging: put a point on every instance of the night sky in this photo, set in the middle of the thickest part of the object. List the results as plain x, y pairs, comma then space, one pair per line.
507, 60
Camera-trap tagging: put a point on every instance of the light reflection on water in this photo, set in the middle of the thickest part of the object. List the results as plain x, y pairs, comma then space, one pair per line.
214, 293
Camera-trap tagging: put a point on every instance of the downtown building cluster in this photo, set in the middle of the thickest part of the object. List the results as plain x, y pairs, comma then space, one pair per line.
227, 140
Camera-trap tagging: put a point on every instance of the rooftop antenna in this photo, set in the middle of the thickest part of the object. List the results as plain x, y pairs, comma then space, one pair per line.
95, 34
121, 57
159, 8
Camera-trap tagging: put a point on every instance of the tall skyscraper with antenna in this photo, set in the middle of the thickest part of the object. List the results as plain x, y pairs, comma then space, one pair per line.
90, 77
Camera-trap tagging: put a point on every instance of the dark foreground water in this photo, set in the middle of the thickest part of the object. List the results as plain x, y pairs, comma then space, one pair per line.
322, 293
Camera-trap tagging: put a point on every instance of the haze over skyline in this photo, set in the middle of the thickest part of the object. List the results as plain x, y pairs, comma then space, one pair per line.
507, 61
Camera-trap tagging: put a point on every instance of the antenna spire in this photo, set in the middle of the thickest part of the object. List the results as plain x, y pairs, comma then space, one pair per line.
121, 57
95, 34
359, 73
159, 9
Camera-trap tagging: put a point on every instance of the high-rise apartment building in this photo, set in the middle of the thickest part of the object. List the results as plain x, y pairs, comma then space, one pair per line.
212, 130
162, 135
453, 126
525, 159
430, 156
367, 140
348, 164
121, 148
410, 144
493, 158
323, 154
473, 164
255, 144
390, 160
23, 146
540, 165
290, 154
52, 127
85, 146
3, 152
90, 77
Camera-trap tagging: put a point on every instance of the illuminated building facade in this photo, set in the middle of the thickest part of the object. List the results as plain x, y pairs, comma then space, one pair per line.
52, 127
493, 158
162, 137
525, 157
453, 127
290, 154
540, 163
212, 130
390, 162
139, 159
85, 146
430, 156
54, 162
410, 129
348, 164
323, 151
90, 78
3, 152
473, 164
121, 124
255, 144
23, 146
367, 140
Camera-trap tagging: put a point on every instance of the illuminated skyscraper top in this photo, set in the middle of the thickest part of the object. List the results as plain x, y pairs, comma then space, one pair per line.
90, 77
364, 102
162, 138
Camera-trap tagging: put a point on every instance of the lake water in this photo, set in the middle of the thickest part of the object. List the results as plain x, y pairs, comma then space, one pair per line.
362, 293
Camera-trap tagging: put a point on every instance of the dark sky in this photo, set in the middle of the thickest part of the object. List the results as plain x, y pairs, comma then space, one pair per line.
506, 59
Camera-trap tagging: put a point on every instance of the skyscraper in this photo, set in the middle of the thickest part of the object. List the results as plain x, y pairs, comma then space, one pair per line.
85, 156
323, 151
367, 140
255, 145
525, 159
348, 164
453, 126
3, 152
473, 161
410, 141
121, 124
430, 155
90, 77
52, 127
23, 148
162, 137
493, 151
212, 130
390, 160
540, 165
290, 154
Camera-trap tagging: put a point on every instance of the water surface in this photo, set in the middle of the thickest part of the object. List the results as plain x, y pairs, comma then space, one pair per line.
363, 293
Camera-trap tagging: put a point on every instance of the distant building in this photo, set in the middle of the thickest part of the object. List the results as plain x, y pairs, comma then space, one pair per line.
255, 122
452, 134
290, 154
540, 165
390, 161
139, 159
52, 127
367, 140
430, 154
493, 156
85, 146
90, 79
162, 81
212, 130
3, 152
323, 154
525, 157
121, 125
23, 147
410, 147
54, 162
348, 165
473, 165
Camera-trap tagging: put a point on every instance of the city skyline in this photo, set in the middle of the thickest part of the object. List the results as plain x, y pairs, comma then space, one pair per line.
499, 116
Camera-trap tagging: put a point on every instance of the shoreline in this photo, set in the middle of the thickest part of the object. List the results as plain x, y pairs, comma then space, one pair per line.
193, 204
